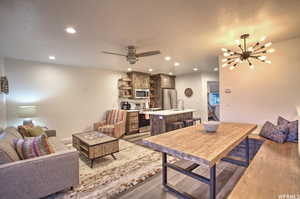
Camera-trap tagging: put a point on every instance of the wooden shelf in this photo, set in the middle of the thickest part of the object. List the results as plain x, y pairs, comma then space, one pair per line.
125, 80
125, 88
125, 96
84, 147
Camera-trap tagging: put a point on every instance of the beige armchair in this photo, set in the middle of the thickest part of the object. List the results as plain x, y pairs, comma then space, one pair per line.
114, 124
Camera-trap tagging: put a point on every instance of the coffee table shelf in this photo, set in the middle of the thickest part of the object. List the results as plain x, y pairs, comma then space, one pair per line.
94, 145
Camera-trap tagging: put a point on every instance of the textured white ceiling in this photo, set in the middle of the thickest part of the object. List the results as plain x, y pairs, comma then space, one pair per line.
190, 31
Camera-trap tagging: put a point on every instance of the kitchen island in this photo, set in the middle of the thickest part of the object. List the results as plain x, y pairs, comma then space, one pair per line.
159, 120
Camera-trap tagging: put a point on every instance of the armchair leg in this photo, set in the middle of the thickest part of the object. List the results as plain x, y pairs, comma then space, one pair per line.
114, 157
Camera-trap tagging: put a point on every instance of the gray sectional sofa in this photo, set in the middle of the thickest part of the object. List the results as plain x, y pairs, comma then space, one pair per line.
37, 177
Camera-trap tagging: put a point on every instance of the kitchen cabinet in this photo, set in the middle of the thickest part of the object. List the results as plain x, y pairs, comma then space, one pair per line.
132, 122
139, 80
167, 81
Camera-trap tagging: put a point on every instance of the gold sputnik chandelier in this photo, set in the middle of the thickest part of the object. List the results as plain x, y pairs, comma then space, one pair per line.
256, 52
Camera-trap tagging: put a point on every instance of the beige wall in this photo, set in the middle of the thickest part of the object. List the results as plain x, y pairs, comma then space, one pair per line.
198, 82
68, 99
265, 92
2, 98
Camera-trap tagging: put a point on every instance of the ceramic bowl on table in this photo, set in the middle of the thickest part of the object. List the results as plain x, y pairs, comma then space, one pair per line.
211, 126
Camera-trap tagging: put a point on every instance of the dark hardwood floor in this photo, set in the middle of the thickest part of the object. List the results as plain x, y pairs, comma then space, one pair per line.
227, 177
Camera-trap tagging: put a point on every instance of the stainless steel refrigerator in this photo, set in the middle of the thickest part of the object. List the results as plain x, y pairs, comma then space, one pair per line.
169, 99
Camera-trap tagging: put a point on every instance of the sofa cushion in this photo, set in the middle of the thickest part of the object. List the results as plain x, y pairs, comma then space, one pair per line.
7, 151
56, 144
13, 131
292, 126
33, 147
275, 133
35, 131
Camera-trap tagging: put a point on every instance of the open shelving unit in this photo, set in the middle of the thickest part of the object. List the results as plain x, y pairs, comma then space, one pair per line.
125, 88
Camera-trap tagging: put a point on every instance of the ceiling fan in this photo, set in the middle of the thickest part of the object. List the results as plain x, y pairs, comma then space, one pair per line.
132, 56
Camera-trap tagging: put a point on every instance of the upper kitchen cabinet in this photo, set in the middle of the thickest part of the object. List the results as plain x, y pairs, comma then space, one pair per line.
159, 82
167, 81
139, 80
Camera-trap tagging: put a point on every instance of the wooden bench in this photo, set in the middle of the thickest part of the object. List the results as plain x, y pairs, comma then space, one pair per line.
274, 172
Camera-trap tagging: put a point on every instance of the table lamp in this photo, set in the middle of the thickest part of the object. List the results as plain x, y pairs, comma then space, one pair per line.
26, 112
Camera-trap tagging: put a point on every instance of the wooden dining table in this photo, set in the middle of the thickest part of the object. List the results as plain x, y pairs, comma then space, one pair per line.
202, 148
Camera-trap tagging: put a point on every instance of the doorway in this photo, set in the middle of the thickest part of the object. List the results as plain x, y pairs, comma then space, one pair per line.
213, 101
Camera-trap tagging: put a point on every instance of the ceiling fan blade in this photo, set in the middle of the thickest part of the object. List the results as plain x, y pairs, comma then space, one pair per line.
149, 53
106, 52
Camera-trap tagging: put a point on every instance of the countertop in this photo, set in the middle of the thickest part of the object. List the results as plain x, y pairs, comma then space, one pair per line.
132, 110
168, 112
142, 111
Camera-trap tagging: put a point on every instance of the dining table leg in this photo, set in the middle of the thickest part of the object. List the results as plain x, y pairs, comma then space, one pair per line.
247, 151
212, 183
164, 169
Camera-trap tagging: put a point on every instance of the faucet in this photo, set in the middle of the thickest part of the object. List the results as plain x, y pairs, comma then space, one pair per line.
180, 104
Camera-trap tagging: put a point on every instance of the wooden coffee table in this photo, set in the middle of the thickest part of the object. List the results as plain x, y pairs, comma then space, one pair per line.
93, 145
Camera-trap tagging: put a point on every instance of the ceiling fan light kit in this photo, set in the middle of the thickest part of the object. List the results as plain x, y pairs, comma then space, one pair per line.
256, 52
132, 57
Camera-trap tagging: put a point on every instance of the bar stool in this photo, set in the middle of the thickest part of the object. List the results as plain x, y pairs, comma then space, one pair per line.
189, 122
175, 125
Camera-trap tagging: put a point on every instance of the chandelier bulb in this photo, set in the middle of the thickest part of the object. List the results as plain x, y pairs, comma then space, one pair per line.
268, 61
237, 60
250, 49
231, 67
226, 54
224, 65
271, 50
268, 44
262, 57
251, 66
263, 38
224, 49
224, 60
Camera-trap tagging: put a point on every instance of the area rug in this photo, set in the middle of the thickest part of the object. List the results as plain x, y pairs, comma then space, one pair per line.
110, 177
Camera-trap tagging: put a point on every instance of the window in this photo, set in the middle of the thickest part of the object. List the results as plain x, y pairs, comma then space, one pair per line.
214, 99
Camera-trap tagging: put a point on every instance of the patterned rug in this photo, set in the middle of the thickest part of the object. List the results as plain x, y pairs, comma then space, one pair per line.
111, 177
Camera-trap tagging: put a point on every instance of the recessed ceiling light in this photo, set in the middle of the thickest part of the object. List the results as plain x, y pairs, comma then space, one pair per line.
70, 30
129, 69
176, 64
168, 58
170, 73
51, 57
195, 69
150, 69
216, 69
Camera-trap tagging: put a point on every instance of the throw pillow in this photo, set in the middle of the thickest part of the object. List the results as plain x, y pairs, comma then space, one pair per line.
275, 133
293, 128
33, 147
23, 132
35, 131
